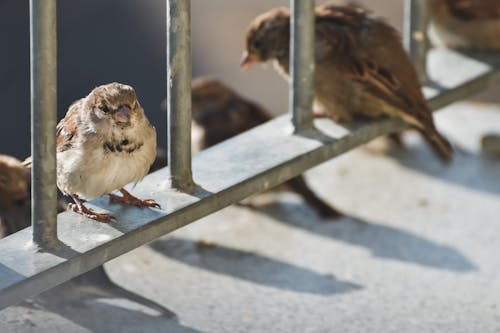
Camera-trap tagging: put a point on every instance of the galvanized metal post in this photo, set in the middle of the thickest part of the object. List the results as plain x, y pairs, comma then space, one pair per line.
415, 34
179, 94
43, 121
301, 63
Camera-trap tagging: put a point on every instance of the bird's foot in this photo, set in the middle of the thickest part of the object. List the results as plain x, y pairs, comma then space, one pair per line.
81, 209
129, 199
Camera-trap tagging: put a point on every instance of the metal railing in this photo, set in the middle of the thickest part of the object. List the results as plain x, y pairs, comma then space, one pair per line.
179, 94
301, 64
416, 21
43, 48
225, 174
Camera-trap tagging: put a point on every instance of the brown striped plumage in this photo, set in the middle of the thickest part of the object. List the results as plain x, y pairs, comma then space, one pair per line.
361, 67
14, 195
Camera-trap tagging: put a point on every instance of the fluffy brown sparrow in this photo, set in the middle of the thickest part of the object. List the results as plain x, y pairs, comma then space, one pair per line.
104, 142
14, 195
466, 24
219, 113
361, 67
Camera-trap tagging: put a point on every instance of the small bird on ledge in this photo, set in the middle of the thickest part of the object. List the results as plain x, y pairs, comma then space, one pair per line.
362, 69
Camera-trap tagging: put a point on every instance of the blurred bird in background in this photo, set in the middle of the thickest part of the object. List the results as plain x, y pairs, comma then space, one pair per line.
219, 113
468, 25
14, 195
362, 69
465, 24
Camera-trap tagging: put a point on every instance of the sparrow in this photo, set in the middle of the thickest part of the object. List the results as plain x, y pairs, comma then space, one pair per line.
103, 143
465, 24
219, 113
14, 195
362, 70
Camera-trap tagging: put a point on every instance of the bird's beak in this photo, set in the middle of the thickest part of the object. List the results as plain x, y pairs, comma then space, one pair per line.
122, 115
247, 60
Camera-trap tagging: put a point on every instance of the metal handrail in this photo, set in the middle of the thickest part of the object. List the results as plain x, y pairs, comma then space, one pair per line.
302, 38
416, 22
179, 94
43, 48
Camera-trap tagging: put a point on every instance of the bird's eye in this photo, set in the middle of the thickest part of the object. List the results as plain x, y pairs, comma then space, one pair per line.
104, 108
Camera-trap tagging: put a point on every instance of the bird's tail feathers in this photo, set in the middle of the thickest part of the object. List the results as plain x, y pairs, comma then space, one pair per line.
439, 143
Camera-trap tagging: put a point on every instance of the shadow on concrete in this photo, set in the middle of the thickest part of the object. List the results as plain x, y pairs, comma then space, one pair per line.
251, 267
95, 302
97, 284
472, 171
101, 316
381, 240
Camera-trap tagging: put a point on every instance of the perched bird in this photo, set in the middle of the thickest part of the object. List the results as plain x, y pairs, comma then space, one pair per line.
104, 142
465, 24
219, 113
362, 69
14, 195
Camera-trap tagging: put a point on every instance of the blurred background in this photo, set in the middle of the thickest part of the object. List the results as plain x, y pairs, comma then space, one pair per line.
124, 40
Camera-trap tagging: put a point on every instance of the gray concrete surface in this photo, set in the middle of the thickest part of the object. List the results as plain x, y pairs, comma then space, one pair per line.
418, 251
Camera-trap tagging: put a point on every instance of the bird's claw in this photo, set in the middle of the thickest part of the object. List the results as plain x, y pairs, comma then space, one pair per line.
151, 203
101, 217
127, 198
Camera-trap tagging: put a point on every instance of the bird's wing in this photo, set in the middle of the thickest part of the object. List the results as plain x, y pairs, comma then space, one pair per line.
342, 29
66, 129
254, 114
468, 10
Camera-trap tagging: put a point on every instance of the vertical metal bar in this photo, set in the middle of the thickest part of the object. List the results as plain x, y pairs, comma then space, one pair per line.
179, 94
301, 63
43, 48
415, 34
